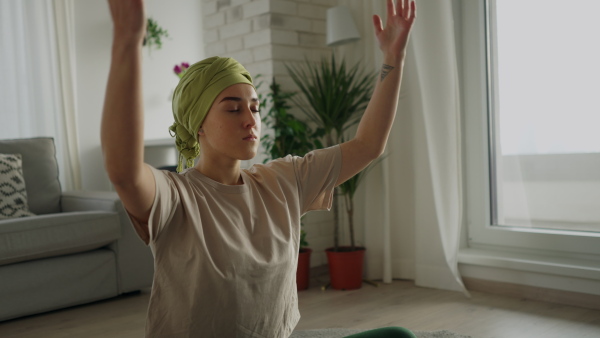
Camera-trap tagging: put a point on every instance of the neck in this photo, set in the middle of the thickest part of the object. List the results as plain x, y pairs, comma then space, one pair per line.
223, 171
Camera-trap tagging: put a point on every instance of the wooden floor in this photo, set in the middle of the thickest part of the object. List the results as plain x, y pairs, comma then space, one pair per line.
399, 304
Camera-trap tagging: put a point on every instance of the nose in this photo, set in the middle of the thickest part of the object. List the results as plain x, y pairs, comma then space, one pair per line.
249, 118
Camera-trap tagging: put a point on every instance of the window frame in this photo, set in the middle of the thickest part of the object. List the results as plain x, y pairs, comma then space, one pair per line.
572, 246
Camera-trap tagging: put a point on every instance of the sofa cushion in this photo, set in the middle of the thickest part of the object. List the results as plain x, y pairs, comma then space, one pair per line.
40, 170
13, 197
47, 284
23, 239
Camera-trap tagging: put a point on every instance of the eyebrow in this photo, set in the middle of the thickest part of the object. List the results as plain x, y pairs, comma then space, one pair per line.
237, 99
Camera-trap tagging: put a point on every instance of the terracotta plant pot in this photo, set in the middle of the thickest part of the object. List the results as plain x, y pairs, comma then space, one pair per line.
303, 269
346, 267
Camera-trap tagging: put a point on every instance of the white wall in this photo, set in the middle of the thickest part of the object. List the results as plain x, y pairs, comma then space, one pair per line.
182, 19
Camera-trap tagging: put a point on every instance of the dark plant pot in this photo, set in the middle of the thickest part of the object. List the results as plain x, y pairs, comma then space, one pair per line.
303, 269
346, 267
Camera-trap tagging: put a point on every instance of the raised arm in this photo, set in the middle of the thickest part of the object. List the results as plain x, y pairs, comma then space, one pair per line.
122, 117
376, 123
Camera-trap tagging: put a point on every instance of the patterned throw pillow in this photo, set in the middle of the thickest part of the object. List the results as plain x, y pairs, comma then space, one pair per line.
13, 196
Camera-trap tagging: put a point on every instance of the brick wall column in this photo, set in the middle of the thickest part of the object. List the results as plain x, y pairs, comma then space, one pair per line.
264, 35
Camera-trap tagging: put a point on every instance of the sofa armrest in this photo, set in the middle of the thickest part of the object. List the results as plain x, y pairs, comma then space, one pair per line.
72, 201
134, 258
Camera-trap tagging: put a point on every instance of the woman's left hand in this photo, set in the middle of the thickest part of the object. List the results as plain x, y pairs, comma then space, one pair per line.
393, 39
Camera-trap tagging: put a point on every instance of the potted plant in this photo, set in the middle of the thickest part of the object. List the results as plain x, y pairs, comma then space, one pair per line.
291, 136
154, 35
346, 264
335, 97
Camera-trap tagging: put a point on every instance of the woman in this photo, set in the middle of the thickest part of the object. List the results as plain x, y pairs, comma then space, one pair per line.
225, 240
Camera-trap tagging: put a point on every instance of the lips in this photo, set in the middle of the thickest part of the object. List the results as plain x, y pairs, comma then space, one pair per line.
250, 138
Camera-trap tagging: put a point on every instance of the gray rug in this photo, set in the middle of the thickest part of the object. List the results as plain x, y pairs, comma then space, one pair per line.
340, 333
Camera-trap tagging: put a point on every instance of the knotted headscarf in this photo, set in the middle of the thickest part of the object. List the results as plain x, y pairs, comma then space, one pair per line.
193, 97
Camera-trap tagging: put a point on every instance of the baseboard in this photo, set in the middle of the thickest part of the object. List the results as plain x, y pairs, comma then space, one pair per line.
578, 299
585, 300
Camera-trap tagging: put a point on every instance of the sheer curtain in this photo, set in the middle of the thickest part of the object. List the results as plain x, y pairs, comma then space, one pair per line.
412, 207
37, 78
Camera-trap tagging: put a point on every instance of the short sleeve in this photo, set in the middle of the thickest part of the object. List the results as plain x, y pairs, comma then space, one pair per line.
316, 175
165, 203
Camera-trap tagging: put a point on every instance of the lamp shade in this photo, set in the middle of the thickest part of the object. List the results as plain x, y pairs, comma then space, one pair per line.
340, 26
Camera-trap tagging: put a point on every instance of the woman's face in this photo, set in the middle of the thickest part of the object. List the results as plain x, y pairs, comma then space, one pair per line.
232, 126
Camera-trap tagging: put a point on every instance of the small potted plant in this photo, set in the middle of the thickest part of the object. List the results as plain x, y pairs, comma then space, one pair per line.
335, 97
154, 35
180, 69
291, 136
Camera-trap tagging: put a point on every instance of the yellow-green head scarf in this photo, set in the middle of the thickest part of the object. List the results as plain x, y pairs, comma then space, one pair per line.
193, 97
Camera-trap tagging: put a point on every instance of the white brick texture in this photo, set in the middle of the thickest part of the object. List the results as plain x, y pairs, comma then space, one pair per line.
284, 7
290, 22
255, 8
290, 53
244, 57
214, 20
223, 4
312, 11
233, 14
284, 37
262, 53
235, 29
312, 39
259, 38
328, 3
239, 2
215, 48
234, 44
261, 22
263, 68
209, 8
211, 35
319, 26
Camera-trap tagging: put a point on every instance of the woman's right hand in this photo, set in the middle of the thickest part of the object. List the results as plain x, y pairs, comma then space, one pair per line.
129, 21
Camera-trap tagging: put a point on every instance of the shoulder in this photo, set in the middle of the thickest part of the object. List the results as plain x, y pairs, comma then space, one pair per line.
318, 159
330, 153
292, 167
278, 169
178, 183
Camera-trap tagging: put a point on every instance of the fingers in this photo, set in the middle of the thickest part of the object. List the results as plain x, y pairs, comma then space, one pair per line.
378, 24
391, 11
407, 9
413, 10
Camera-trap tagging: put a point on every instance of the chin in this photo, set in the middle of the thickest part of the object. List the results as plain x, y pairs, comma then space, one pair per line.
248, 156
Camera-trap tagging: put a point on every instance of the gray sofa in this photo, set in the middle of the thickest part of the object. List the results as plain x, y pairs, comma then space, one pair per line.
80, 247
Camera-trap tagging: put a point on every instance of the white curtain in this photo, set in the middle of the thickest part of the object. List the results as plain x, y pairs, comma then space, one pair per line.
37, 78
412, 203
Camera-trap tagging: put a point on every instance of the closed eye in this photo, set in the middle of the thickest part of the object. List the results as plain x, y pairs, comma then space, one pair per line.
237, 111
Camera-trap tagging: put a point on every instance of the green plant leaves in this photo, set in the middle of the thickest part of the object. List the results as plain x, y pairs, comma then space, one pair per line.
333, 95
154, 34
291, 136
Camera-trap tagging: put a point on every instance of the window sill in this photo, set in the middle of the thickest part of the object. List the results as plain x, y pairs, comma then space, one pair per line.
569, 274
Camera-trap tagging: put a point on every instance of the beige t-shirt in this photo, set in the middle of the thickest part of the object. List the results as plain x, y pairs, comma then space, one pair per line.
225, 255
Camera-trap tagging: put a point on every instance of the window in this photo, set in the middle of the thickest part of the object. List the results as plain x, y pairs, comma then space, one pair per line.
545, 154
532, 146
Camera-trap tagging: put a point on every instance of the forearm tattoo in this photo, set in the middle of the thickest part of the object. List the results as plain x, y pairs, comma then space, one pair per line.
385, 70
